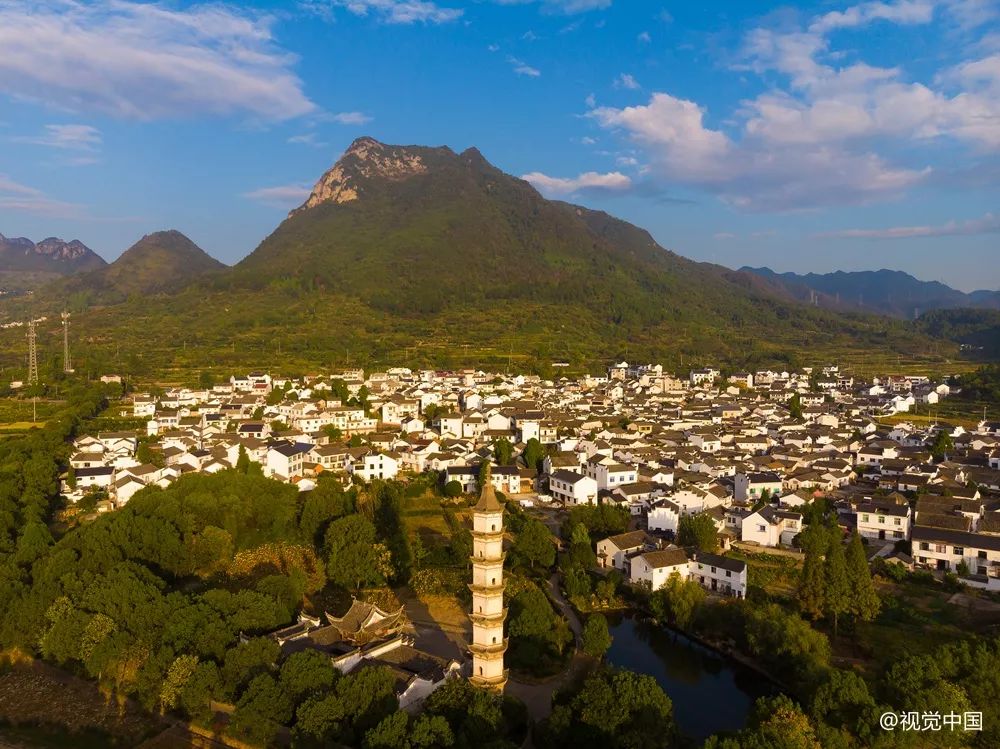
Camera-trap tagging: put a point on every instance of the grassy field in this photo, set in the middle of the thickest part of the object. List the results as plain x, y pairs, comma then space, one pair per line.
776, 575
916, 618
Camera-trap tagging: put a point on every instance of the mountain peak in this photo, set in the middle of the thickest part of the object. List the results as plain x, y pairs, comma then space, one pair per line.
52, 255
365, 159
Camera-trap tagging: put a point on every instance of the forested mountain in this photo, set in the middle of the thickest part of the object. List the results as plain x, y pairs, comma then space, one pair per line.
159, 262
887, 292
439, 258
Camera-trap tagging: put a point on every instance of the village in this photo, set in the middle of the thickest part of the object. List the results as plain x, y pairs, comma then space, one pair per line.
750, 450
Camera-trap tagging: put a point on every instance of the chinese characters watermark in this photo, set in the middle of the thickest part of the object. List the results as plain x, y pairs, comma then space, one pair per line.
931, 721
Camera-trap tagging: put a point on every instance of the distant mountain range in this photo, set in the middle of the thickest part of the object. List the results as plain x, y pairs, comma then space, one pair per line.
437, 258
886, 292
26, 265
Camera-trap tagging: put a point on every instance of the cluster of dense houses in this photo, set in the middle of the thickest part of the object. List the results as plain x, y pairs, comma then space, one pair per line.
749, 449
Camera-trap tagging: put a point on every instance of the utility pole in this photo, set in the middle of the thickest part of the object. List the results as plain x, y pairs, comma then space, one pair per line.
32, 355
67, 362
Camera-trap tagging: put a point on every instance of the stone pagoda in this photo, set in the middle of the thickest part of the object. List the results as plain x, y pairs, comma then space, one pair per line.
488, 611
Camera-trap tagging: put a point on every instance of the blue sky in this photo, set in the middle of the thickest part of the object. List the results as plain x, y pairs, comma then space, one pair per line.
807, 136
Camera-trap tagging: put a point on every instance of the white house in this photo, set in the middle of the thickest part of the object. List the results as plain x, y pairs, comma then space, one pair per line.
749, 487
719, 574
286, 460
879, 520
945, 549
770, 526
572, 488
656, 567
663, 515
614, 550
375, 466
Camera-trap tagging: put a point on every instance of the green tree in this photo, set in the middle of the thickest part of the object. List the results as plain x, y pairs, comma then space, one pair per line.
942, 445
333, 433
534, 545
837, 595
206, 380
503, 451
615, 709
842, 699
576, 581
453, 489
864, 600
596, 639
355, 558
698, 530
811, 594
243, 461
391, 733
678, 601
178, 675
431, 732
795, 407
260, 711
307, 672
485, 474
533, 454
247, 661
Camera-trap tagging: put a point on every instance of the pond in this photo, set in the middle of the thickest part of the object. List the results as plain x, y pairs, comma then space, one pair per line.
710, 692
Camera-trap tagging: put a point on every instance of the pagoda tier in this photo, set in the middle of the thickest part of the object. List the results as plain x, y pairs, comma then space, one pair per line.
488, 589
495, 650
498, 617
491, 561
494, 683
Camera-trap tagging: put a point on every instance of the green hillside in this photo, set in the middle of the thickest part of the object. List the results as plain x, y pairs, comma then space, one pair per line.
431, 258
163, 261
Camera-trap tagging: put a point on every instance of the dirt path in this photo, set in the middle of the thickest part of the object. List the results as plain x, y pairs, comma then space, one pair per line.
538, 696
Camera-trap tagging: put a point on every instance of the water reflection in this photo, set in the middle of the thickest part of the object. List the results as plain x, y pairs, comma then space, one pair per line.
710, 692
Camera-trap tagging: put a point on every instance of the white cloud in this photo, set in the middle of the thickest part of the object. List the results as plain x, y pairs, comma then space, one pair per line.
971, 14
396, 11
68, 137
627, 80
21, 198
899, 12
350, 118
522, 68
145, 61
280, 196
562, 7
307, 139
988, 224
588, 141
723, 235
644, 37
588, 181
813, 138
751, 174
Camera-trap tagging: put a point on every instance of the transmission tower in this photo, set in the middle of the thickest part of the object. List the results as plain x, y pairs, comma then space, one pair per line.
32, 355
67, 363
